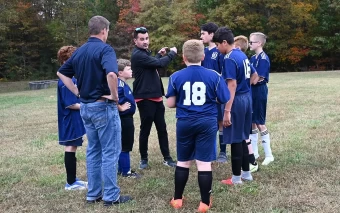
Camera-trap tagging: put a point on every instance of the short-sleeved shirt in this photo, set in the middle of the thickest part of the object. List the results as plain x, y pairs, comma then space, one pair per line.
125, 95
70, 124
91, 63
197, 91
212, 59
261, 63
236, 66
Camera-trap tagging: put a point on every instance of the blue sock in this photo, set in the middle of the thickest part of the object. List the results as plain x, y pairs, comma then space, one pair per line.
223, 147
124, 162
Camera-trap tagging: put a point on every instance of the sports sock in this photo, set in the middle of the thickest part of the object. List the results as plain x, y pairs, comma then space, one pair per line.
223, 147
254, 138
70, 161
236, 179
251, 156
246, 175
236, 158
181, 178
124, 162
245, 156
205, 183
266, 143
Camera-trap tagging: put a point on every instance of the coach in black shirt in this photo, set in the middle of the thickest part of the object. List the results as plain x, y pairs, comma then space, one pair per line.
148, 91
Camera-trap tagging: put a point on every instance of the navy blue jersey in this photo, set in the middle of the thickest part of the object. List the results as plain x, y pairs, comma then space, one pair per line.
236, 66
212, 59
70, 124
197, 91
125, 95
262, 65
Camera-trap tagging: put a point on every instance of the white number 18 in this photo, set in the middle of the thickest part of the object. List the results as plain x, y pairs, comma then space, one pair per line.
198, 93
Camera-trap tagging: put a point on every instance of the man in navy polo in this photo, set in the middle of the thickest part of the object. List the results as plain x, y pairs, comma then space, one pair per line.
94, 65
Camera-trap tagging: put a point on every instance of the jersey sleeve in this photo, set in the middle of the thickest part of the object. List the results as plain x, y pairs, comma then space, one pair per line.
229, 69
222, 91
171, 88
263, 68
121, 95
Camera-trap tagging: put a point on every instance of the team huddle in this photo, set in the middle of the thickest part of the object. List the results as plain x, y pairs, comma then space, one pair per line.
220, 91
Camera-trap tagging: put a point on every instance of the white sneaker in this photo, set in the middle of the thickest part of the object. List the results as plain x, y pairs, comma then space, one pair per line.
78, 185
267, 161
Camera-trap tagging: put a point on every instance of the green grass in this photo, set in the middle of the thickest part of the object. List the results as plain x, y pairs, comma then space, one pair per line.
303, 119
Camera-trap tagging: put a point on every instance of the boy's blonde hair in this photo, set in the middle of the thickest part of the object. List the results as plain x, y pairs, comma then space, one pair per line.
65, 53
122, 63
241, 42
193, 50
260, 36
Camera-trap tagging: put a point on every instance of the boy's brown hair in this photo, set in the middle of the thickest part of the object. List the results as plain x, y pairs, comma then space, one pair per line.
65, 53
122, 63
193, 50
241, 42
260, 37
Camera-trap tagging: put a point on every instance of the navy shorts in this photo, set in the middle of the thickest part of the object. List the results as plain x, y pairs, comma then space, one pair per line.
196, 139
76, 142
260, 97
241, 116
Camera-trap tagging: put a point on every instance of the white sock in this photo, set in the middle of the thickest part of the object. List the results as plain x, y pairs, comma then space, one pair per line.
236, 179
266, 143
254, 138
247, 176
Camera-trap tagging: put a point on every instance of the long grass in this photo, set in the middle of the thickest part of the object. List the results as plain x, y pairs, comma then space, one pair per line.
303, 119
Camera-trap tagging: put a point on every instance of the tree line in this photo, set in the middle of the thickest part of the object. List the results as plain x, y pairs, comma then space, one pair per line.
302, 35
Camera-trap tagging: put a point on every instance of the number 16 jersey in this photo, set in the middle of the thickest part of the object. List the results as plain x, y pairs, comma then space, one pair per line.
197, 91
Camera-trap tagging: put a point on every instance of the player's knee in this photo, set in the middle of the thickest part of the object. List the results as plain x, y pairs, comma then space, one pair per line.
262, 128
184, 164
203, 166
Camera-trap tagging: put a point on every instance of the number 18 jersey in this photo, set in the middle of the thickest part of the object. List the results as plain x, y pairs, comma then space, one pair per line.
197, 91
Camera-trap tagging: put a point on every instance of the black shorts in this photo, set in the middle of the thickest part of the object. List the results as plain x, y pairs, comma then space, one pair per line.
128, 132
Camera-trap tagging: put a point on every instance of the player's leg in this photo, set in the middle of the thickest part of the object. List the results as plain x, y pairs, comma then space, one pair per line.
162, 133
147, 111
222, 157
185, 146
255, 117
70, 160
265, 137
128, 130
246, 130
205, 153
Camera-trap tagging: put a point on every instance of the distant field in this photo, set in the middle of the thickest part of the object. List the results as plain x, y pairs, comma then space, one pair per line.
303, 119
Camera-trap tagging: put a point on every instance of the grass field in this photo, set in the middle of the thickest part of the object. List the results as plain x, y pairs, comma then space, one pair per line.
303, 119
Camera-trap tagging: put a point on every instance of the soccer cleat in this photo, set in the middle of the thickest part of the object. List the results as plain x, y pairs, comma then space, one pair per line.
176, 204
131, 174
169, 162
230, 182
222, 158
80, 181
204, 207
253, 168
143, 164
78, 185
267, 161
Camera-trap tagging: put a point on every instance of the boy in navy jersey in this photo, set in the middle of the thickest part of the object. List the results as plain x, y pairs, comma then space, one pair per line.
237, 112
261, 63
241, 42
213, 60
70, 125
127, 108
195, 91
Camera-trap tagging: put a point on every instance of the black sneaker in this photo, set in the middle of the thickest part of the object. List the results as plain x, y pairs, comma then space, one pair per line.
131, 174
121, 199
99, 199
143, 164
169, 162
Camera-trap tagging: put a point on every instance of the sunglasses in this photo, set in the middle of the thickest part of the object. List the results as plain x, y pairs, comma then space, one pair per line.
253, 42
141, 30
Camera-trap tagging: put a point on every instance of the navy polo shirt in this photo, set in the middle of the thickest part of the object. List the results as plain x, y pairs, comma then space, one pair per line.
125, 95
90, 63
